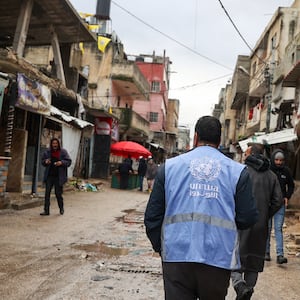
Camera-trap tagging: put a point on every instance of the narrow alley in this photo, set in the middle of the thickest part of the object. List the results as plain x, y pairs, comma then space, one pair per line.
98, 250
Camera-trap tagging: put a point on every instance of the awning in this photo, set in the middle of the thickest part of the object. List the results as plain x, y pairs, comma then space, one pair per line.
282, 136
69, 119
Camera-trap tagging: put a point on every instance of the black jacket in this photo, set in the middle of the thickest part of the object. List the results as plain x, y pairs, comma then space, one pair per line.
142, 168
284, 177
266, 191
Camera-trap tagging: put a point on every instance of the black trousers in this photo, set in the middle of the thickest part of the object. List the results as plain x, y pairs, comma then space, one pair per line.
124, 179
190, 281
53, 181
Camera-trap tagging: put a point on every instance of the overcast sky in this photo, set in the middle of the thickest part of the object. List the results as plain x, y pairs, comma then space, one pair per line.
210, 42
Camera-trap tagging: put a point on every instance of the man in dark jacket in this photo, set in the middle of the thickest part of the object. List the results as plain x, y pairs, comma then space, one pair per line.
287, 188
266, 191
125, 169
199, 199
56, 160
142, 168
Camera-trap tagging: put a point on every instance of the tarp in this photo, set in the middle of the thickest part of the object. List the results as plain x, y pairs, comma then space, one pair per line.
282, 136
70, 141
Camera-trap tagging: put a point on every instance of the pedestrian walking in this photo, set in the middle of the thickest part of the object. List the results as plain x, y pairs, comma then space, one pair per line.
125, 169
151, 173
287, 188
199, 199
56, 160
142, 168
267, 193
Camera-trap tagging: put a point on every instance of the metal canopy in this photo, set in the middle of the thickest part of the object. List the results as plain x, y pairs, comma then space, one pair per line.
277, 137
67, 23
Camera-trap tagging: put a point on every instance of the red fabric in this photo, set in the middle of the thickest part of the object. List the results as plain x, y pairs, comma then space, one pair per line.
250, 116
55, 153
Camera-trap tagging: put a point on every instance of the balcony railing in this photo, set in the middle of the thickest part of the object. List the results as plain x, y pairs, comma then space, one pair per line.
258, 86
129, 119
127, 77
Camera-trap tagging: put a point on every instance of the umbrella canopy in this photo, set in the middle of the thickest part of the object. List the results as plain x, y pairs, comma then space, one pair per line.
126, 148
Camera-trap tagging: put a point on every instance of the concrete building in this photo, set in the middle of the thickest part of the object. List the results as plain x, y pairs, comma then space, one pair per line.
172, 127
35, 100
156, 70
265, 88
183, 141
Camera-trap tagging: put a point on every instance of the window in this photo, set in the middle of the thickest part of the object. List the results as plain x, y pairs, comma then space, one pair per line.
153, 117
274, 41
292, 28
254, 68
155, 86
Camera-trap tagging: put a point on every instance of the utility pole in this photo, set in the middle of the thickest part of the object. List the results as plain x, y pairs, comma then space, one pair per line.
268, 74
268, 97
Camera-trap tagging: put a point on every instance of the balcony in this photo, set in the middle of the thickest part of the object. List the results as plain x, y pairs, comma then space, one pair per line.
291, 64
129, 81
240, 82
258, 86
132, 124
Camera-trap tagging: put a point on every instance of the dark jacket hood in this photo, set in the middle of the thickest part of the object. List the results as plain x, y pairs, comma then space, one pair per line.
258, 162
273, 166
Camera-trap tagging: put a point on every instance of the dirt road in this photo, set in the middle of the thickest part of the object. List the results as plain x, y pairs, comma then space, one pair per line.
98, 250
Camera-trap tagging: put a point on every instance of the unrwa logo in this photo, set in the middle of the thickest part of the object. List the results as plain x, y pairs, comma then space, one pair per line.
205, 168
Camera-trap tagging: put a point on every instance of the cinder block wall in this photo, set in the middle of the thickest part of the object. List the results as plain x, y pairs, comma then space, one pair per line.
4, 162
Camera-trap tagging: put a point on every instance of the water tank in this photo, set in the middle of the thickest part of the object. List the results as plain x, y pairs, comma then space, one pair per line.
103, 9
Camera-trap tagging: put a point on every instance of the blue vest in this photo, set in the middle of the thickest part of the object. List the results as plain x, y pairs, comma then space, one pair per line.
199, 224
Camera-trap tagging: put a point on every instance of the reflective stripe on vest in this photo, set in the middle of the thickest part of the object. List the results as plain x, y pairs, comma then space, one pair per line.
195, 217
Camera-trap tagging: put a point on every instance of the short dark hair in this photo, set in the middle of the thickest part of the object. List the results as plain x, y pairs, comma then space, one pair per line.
209, 129
256, 148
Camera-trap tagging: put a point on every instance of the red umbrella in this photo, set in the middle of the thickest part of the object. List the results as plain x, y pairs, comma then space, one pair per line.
126, 148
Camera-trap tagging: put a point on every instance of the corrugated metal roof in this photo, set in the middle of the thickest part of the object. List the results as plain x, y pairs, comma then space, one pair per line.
67, 23
69, 119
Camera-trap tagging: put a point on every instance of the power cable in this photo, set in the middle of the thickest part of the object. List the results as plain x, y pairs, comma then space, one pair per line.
199, 83
179, 88
239, 33
169, 37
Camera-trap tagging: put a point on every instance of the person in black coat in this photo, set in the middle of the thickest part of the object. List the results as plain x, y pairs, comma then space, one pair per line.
287, 188
125, 169
56, 160
266, 191
142, 168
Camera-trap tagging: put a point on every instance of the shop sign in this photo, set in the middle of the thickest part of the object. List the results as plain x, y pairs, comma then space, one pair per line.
33, 96
103, 125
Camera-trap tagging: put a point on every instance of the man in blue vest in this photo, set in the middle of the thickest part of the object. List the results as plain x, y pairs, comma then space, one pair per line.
199, 201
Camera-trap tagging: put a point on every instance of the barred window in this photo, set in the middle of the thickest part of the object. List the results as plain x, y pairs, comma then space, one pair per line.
155, 86
153, 117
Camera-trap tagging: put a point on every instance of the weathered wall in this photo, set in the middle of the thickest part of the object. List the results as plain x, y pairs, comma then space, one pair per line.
17, 163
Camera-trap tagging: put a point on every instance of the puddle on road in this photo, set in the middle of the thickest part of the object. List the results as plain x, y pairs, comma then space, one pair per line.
132, 216
102, 248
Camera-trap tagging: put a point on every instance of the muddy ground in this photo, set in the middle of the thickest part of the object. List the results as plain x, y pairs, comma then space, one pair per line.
98, 250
